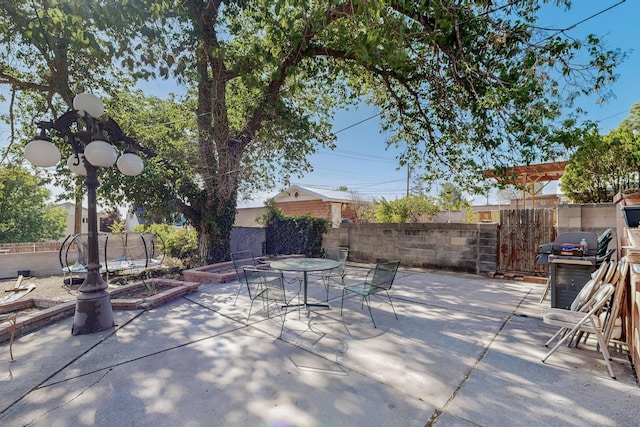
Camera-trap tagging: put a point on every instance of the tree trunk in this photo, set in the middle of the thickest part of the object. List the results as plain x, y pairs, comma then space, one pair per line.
214, 233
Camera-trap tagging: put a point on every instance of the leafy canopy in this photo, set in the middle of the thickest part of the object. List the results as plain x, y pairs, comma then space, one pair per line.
26, 217
602, 165
406, 209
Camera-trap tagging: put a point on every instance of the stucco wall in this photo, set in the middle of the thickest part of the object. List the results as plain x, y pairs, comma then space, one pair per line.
249, 217
39, 263
460, 247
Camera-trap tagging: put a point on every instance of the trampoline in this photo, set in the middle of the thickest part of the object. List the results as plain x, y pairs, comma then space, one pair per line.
120, 252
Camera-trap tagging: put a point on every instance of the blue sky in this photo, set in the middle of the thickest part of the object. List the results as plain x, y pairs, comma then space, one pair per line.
361, 161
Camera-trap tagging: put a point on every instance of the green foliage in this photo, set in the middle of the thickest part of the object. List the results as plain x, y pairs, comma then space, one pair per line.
26, 217
633, 121
451, 198
602, 165
112, 222
118, 227
177, 242
469, 214
294, 235
406, 209
272, 214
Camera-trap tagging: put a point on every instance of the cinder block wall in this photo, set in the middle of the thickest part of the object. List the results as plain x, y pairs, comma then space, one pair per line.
594, 217
460, 247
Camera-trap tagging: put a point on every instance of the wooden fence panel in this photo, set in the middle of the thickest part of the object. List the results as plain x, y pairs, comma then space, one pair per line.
520, 233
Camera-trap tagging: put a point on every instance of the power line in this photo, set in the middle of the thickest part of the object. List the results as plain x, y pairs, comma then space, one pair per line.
357, 123
582, 21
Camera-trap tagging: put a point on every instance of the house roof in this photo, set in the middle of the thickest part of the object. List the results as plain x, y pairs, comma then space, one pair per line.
321, 193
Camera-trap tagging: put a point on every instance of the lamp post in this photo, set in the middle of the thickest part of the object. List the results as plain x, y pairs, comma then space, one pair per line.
93, 139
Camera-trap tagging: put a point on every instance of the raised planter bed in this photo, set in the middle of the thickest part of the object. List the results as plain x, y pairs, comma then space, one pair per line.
136, 296
221, 272
224, 272
33, 313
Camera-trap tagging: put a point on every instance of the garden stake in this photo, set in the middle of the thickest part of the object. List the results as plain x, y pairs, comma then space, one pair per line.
12, 321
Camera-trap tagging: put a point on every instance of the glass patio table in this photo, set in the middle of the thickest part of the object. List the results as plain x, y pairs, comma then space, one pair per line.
306, 265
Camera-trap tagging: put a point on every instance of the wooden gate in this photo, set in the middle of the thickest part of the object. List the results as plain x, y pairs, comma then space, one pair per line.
520, 233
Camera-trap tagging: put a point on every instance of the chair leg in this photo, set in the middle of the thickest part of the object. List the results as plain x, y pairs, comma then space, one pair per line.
342, 301
391, 302
284, 319
556, 335
555, 347
250, 308
238, 293
605, 351
369, 307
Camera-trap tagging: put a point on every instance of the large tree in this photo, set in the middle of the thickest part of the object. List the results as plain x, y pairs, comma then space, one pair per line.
461, 85
26, 215
633, 121
602, 166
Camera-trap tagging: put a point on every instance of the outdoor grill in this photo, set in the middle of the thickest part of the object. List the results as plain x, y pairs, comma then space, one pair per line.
571, 264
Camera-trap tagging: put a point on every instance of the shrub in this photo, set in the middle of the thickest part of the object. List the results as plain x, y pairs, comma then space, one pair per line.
177, 242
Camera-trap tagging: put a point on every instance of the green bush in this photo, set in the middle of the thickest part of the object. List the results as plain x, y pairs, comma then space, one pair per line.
177, 242
293, 235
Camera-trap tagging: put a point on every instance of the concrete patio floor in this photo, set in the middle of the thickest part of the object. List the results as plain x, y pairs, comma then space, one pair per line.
465, 351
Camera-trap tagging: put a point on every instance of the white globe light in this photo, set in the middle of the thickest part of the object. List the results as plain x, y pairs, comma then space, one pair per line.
88, 103
43, 153
100, 153
76, 164
130, 164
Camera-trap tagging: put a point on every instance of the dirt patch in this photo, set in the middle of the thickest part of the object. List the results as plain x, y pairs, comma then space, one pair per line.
50, 287
143, 292
19, 313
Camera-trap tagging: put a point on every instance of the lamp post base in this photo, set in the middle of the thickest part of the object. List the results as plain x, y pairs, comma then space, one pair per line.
93, 313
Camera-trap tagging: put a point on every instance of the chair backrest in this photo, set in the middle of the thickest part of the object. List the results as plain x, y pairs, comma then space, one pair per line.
617, 301
261, 282
612, 272
255, 281
242, 259
383, 275
339, 255
590, 287
599, 298
606, 256
603, 242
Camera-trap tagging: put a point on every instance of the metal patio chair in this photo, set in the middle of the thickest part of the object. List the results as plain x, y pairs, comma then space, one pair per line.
269, 287
378, 280
335, 275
